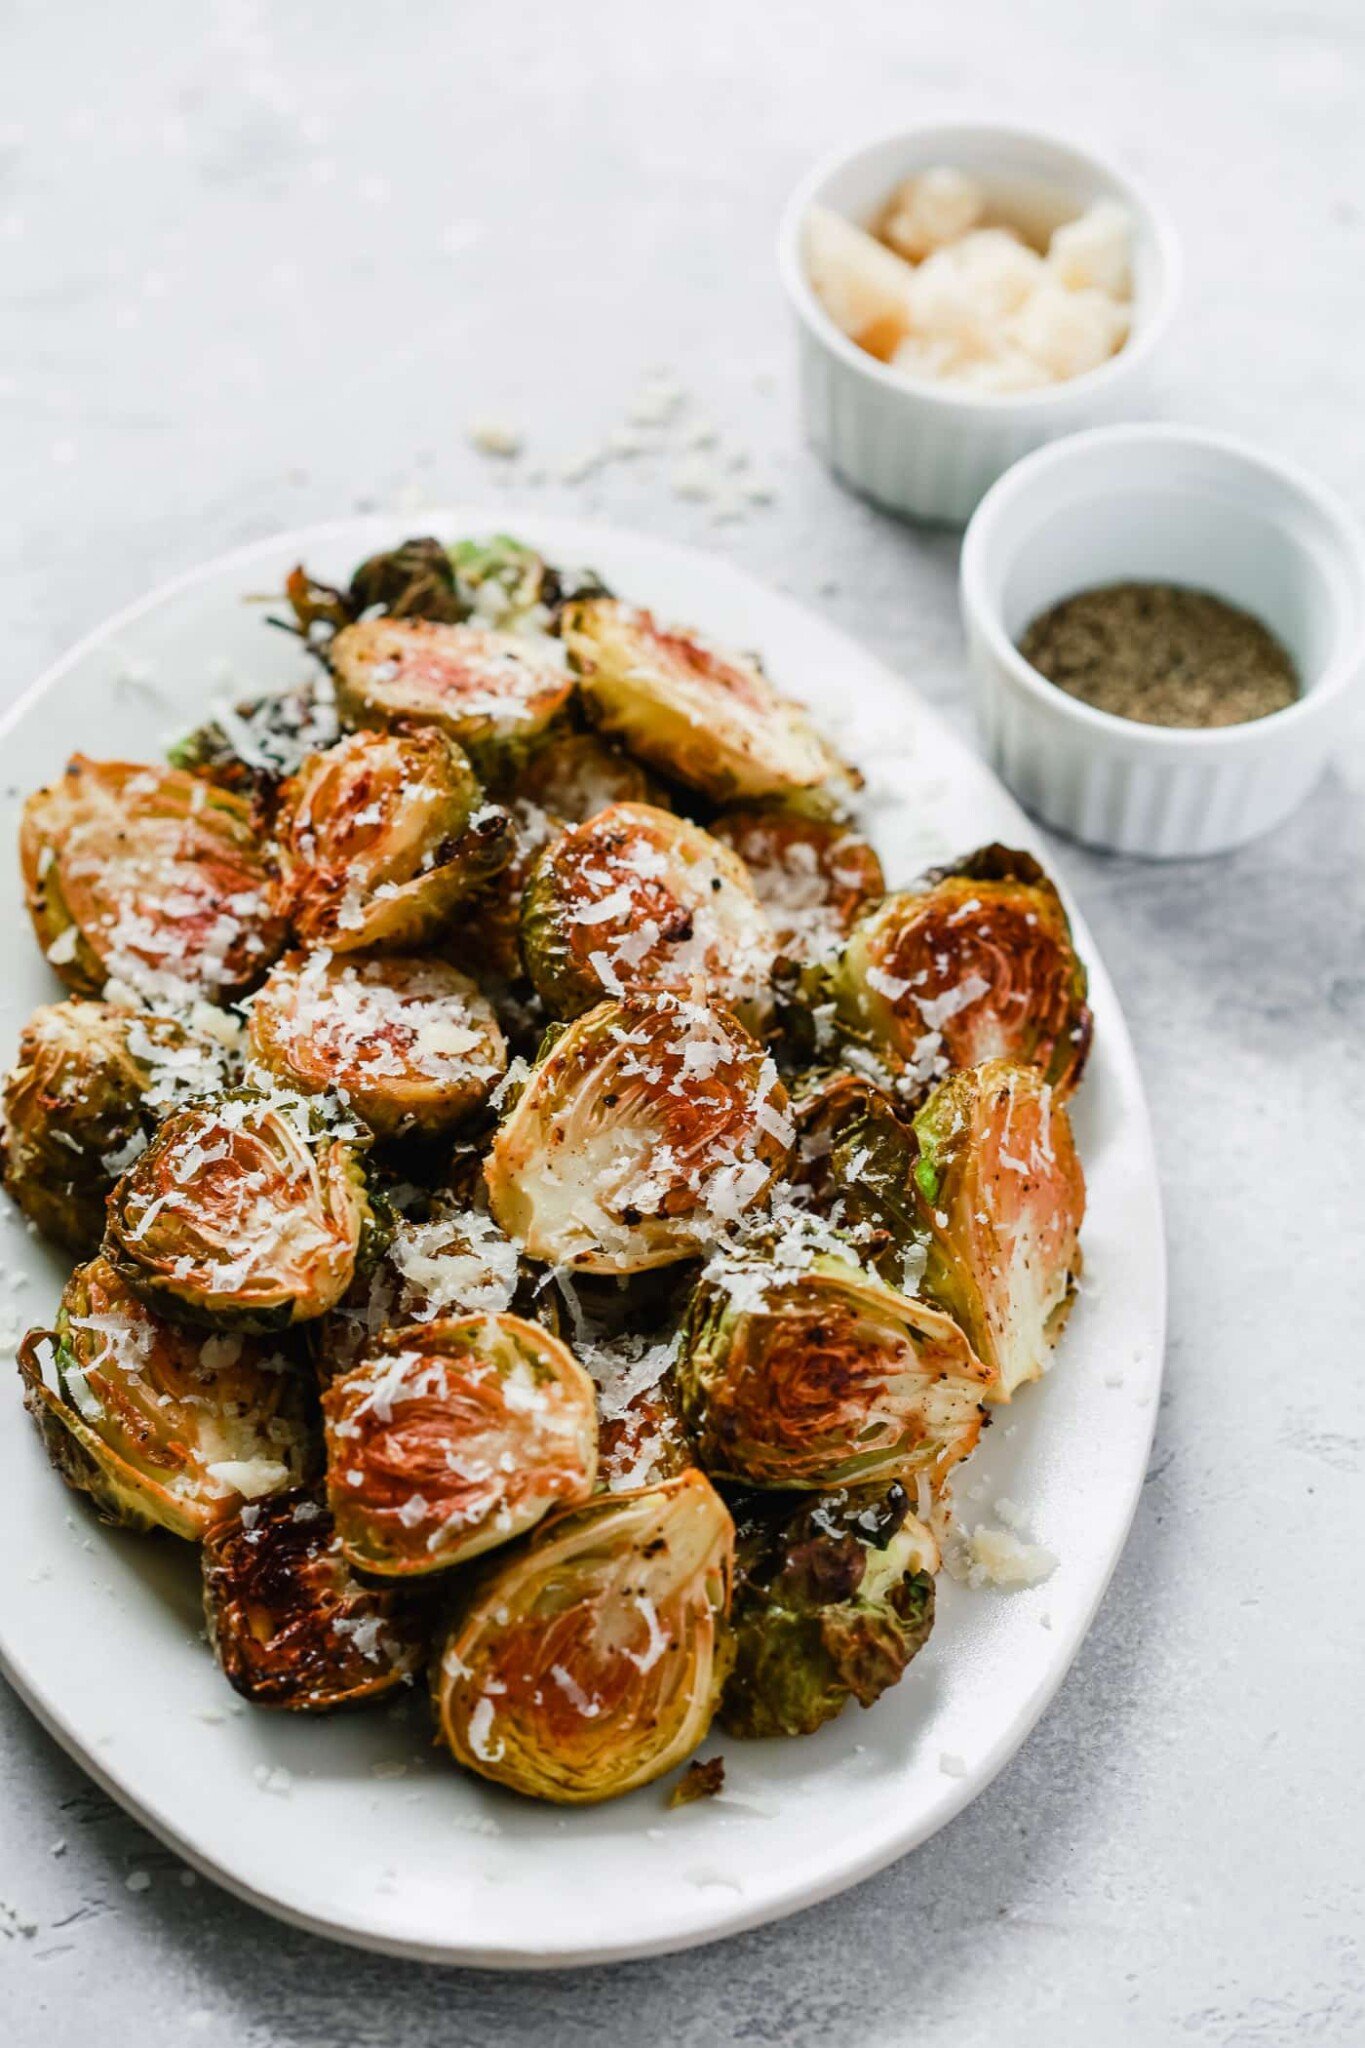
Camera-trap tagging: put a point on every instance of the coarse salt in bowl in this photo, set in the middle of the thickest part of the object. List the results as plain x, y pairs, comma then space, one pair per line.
1161, 504
928, 449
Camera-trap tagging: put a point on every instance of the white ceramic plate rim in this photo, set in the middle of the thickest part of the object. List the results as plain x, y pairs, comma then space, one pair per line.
717, 1915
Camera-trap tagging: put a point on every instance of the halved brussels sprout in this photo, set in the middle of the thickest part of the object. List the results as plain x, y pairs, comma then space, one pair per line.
88, 1088
248, 1212
291, 1624
163, 1427
976, 963
150, 878
251, 747
833, 1597
493, 692
451, 1437
410, 1044
645, 1129
1003, 1196
450, 1260
707, 718
857, 1159
380, 837
636, 899
814, 876
823, 1376
642, 1441
488, 935
577, 774
588, 1661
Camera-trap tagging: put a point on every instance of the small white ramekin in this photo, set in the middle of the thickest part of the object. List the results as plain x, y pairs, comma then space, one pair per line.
1160, 504
926, 449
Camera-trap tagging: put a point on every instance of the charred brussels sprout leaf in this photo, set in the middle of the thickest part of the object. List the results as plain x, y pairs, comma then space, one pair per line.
509, 584
414, 581
163, 1427
409, 1043
588, 1662
642, 1440
1003, 1196
452, 1437
833, 1597
150, 878
814, 876
380, 838
90, 1084
317, 607
705, 718
638, 899
822, 1376
644, 1130
495, 693
247, 1213
976, 963
291, 1624
252, 747
577, 774
488, 935
858, 1159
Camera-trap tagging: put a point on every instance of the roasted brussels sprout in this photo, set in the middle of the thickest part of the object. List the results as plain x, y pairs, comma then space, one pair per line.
251, 747
163, 1427
834, 1594
413, 581
857, 1159
451, 1437
814, 876
249, 1213
588, 1661
493, 692
289, 1621
89, 1086
508, 584
1003, 1196
644, 1130
149, 878
577, 774
487, 938
823, 1376
707, 719
976, 963
380, 837
636, 899
449, 1260
409, 1043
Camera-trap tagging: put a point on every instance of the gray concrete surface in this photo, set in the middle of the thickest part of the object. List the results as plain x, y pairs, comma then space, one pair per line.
264, 265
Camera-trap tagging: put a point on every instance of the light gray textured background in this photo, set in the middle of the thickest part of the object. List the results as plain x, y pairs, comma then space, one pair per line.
264, 265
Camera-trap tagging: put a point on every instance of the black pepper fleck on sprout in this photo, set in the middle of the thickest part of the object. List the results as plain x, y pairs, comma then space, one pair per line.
1163, 655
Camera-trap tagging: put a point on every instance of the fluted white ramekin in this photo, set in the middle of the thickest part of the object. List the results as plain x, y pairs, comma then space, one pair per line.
926, 449
1161, 504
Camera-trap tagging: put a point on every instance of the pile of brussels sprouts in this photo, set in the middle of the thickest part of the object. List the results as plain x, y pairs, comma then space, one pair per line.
546, 1214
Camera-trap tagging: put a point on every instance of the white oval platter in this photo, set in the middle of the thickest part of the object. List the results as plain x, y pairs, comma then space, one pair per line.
354, 1826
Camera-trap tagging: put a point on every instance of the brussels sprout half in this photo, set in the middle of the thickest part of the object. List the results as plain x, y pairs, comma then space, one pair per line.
833, 1597
451, 1437
247, 1213
1003, 1197
493, 692
638, 899
708, 719
163, 1427
814, 876
574, 775
409, 1043
150, 878
291, 1624
976, 963
90, 1083
645, 1129
380, 837
588, 1661
820, 1377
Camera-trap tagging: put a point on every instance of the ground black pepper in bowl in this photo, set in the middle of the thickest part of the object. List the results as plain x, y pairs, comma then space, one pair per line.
1163, 655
